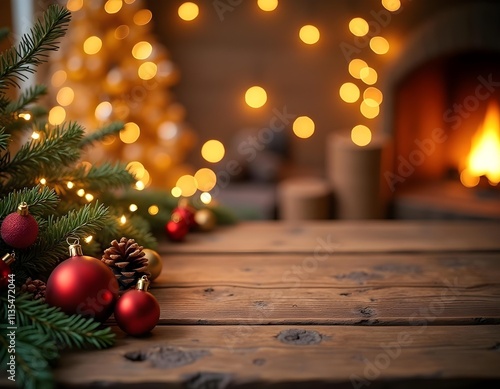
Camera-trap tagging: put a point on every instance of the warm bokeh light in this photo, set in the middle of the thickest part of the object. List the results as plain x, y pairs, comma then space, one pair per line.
176, 191
136, 169
142, 17
309, 34
369, 111
206, 198
123, 219
74, 5
92, 45
153, 210
188, 11
142, 50
379, 45
255, 96
267, 5
58, 78
103, 111
89, 197
361, 135
133, 207
368, 75
113, 6
373, 96
359, 27
391, 5
65, 96
187, 185
57, 115
35, 135
121, 32
303, 127
355, 67
130, 133
206, 179
349, 92
88, 239
139, 185
43, 181
80, 192
468, 180
25, 115
147, 70
70, 185
213, 151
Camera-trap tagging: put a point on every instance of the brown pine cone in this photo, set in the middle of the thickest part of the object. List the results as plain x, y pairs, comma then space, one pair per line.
127, 261
35, 288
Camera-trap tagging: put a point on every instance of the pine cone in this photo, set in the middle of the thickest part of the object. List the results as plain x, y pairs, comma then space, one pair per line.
126, 259
34, 287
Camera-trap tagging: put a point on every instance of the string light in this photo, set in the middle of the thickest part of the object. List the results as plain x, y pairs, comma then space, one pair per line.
255, 96
188, 11
153, 210
80, 192
267, 5
43, 181
139, 185
303, 127
26, 116
213, 151
35, 135
123, 219
133, 207
89, 197
70, 185
309, 34
206, 198
88, 239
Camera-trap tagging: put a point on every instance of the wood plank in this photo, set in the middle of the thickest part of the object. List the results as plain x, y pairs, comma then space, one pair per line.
248, 356
343, 236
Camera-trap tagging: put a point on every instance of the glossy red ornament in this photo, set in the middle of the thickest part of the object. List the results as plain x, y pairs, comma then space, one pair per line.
177, 228
186, 212
137, 312
5, 271
19, 229
82, 285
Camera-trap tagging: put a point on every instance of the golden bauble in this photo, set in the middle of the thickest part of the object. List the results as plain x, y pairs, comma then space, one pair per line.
155, 264
205, 219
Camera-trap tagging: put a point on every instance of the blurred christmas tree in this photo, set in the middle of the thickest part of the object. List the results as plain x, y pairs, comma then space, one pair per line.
110, 67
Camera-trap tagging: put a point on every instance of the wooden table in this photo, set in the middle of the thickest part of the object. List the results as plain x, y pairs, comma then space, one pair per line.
319, 304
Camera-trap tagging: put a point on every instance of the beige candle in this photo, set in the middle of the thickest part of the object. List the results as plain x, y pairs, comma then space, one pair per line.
354, 174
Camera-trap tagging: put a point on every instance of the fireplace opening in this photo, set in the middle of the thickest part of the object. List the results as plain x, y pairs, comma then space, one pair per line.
447, 139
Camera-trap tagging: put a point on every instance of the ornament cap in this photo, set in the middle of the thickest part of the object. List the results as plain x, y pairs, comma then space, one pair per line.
75, 248
142, 284
23, 209
9, 258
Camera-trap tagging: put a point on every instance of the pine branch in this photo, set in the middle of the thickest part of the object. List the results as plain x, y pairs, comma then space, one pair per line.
72, 331
101, 134
59, 148
17, 61
4, 139
40, 199
27, 97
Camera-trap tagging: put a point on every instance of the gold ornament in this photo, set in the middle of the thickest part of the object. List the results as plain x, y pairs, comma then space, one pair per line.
205, 219
155, 263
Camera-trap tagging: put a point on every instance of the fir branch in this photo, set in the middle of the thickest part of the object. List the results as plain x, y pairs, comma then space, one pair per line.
40, 199
4, 139
101, 134
27, 97
17, 61
59, 148
106, 176
72, 331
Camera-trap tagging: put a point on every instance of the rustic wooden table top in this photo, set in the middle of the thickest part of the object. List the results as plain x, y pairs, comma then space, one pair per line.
318, 304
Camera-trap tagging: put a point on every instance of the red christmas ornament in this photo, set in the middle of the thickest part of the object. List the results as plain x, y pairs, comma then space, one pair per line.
5, 263
177, 228
20, 229
137, 312
186, 212
82, 285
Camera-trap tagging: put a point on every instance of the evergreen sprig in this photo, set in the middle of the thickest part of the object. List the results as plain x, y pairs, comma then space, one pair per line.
4, 139
102, 133
28, 96
40, 199
16, 62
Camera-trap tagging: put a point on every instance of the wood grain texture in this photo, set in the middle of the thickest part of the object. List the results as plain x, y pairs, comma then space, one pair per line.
345, 236
251, 356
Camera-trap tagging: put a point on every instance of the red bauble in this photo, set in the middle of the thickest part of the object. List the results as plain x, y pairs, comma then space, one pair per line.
19, 229
187, 214
82, 285
177, 229
137, 312
5, 262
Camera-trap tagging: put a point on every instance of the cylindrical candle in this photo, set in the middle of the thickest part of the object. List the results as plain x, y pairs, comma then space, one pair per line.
304, 198
354, 174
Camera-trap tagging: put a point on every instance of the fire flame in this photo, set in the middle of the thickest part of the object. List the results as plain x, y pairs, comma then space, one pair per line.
484, 155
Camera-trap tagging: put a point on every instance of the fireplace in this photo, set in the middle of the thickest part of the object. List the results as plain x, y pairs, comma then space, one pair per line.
444, 96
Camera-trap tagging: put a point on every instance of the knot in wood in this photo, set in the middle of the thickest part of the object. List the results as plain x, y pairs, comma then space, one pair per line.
166, 357
299, 337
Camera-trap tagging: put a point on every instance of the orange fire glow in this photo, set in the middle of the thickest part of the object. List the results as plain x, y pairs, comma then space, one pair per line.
484, 155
